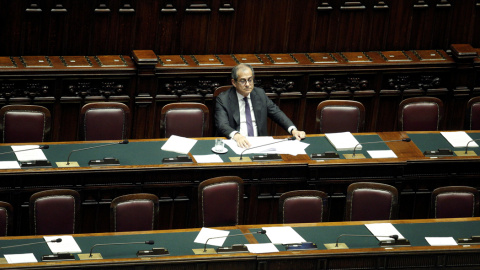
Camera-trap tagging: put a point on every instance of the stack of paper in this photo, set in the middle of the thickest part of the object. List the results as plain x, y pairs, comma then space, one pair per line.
459, 139
343, 141
179, 144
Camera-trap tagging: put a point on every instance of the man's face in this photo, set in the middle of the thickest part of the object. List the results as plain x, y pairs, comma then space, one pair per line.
244, 82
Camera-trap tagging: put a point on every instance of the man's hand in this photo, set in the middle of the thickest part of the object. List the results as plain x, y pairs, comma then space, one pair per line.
298, 134
241, 140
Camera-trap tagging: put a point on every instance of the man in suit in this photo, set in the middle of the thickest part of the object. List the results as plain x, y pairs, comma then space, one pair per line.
242, 110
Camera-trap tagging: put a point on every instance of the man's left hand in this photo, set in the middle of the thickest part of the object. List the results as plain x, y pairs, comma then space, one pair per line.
298, 134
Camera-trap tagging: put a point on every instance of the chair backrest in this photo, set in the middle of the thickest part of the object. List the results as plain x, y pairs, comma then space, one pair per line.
220, 201
104, 121
134, 212
6, 219
420, 114
371, 201
303, 206
54, 212
454, 202
24, 123
221, 89
473, 113
186, 119
340, 116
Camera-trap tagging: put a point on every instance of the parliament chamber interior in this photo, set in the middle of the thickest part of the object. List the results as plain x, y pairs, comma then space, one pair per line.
104, 84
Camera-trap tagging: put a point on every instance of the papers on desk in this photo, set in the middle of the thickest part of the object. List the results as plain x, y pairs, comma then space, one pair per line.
207, 233
275, 146
283, 235
213, 158
441, 241
383, 229
9, 165
343, 141
28, 155
458, 139
68, 244
179, 144
382, 154
21, 258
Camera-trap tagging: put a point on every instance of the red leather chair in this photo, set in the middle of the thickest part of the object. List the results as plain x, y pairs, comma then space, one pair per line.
220, 201
186, 119
473, 113
420, 114
24, 123
340, 116
134, 212
6, 219
303, 206
54, 212
371, 201
104, 121
454, 202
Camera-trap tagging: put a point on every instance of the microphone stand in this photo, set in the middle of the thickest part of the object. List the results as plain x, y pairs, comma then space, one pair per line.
267, 157
395, 242
361, 156
105, 161
237, 248
467, 153
98, 256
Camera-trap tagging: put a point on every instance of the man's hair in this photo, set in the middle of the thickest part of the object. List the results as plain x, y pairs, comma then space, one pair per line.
239, 67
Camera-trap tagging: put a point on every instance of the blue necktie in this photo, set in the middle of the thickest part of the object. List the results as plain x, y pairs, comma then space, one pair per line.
248, 116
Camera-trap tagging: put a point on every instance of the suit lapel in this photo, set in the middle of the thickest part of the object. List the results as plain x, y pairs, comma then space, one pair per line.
235, 109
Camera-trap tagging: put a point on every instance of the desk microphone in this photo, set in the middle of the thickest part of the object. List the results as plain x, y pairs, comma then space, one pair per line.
58, 240
402, 140
466, 147
287, 139
149, 242
87, 148
205, 246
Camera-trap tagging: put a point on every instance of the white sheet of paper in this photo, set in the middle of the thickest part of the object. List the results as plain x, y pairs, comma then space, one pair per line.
382, 154
206, 233
280, 146
34, 154
254, 141
383, 229
21, 258
179, 144
458, 138
283, 235
9, 165
343, 141
213, 158
262, 248
441, 241
68, 244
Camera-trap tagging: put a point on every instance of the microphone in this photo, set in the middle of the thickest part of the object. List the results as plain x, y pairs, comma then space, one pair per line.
233, 249
58, 240
106, 161
269, 156
402, 140
466, 147
21, 150
149, 242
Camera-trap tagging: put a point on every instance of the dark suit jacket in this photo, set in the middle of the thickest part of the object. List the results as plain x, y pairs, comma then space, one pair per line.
227, 112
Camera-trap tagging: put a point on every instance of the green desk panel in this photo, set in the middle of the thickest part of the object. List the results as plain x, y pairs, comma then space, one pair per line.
429, 142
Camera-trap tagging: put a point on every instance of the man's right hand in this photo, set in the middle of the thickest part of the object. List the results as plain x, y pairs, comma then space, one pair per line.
241, 140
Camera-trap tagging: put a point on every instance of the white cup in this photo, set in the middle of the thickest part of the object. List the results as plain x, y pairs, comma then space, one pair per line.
219, 145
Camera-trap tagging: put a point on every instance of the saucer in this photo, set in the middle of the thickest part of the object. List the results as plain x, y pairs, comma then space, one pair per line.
220, 152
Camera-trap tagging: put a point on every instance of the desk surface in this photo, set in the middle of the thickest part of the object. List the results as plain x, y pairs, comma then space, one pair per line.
180, 244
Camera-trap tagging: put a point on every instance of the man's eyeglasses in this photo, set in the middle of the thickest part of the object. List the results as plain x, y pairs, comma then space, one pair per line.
244, 81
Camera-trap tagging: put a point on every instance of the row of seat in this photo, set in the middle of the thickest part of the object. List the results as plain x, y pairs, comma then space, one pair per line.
220, 203
112, 121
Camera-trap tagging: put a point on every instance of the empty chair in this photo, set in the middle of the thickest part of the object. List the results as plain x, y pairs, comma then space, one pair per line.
371, 201
473, 113
220, 201
340, 116
134, 212
6, 219
54, 212
454, 202
104, 121
303, 206
420, 114
24, 123
186, 119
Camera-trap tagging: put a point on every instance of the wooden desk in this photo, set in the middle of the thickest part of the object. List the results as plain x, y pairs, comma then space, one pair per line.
364, 252
414, 175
